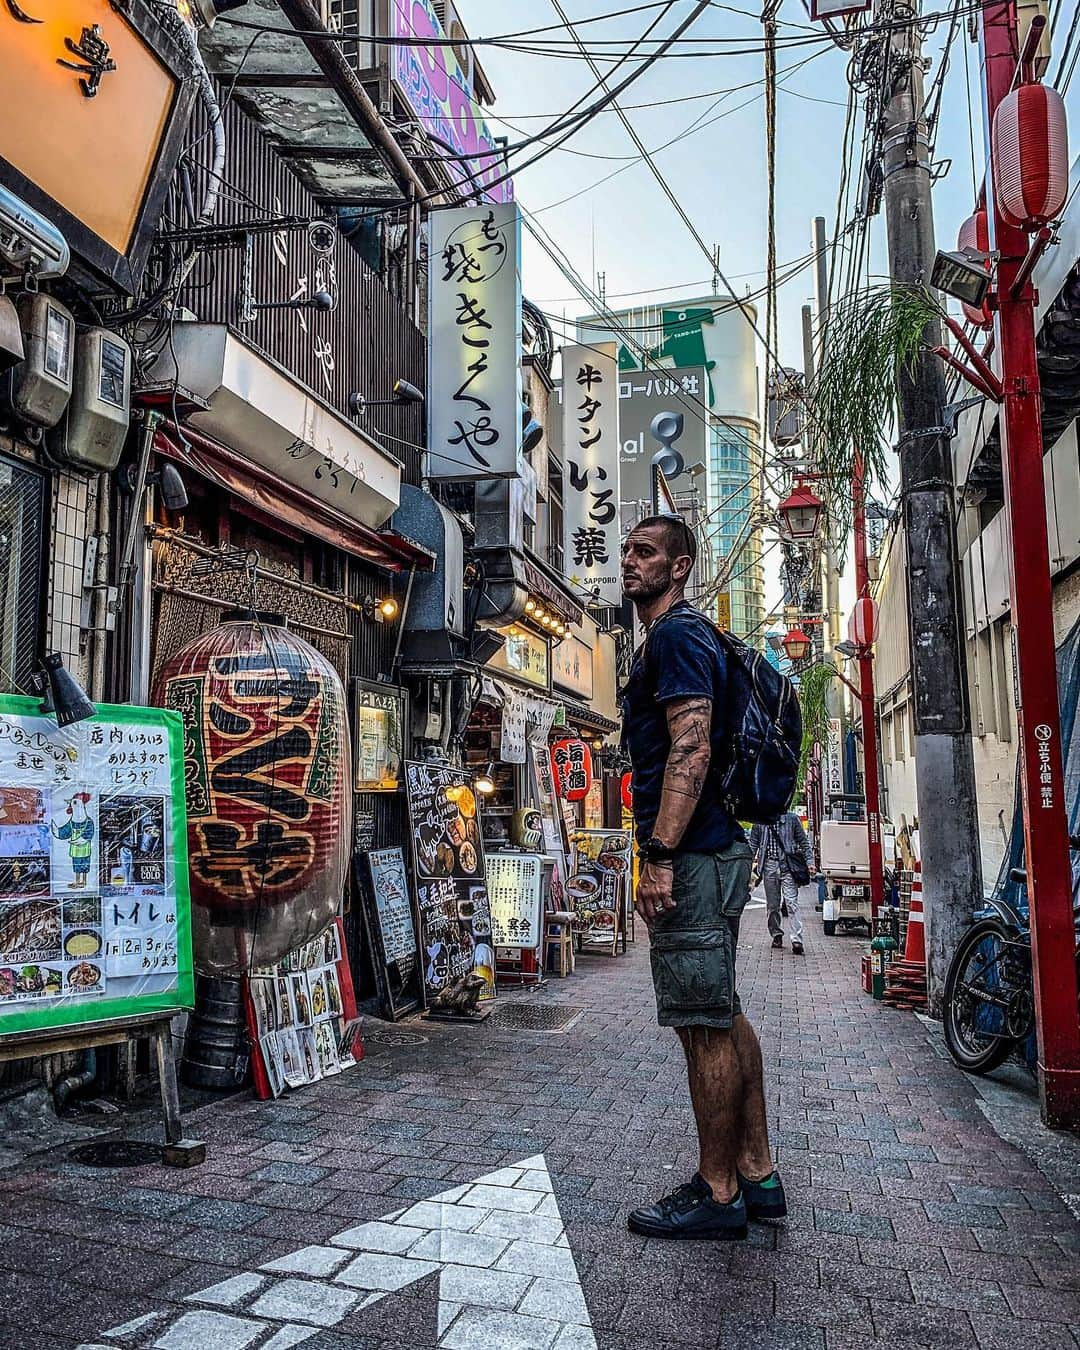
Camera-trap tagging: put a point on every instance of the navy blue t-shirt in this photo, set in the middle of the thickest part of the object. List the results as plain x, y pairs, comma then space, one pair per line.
681, 658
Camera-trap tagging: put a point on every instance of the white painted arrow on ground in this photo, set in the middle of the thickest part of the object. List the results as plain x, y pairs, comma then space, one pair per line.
507, 1279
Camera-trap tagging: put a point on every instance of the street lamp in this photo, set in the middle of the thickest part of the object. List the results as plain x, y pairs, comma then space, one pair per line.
800, 514
962, 276
796, 644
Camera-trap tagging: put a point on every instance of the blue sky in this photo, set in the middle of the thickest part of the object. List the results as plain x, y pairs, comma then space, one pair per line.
626, 224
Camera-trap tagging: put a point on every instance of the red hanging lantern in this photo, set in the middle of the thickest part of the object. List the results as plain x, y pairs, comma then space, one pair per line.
626, 791
800, 514
1030, 152
266, 761
975, 234
796, 644
571, 767
863, 623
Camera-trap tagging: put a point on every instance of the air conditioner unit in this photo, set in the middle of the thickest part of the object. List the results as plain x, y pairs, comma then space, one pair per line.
455, 31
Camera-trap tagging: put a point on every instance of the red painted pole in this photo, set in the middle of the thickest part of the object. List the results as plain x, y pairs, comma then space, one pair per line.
871, 787
1045, 826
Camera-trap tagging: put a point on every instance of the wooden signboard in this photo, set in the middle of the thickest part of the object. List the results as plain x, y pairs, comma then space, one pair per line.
453, 914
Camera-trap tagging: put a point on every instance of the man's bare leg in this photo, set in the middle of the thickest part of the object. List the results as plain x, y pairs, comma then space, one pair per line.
754, 1156
716, 1094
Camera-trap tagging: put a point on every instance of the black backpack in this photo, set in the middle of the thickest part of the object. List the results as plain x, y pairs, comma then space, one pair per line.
763, 729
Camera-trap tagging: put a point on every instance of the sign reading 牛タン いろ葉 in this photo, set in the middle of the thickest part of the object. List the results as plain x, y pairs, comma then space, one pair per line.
95, 916
591, 526
474, 347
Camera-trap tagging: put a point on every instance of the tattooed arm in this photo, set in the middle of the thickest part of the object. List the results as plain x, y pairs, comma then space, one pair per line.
689, 721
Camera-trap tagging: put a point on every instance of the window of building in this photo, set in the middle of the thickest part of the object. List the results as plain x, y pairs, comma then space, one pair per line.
555, 514
22, 520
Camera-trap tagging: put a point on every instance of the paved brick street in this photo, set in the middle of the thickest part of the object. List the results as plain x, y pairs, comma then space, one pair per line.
912, 1223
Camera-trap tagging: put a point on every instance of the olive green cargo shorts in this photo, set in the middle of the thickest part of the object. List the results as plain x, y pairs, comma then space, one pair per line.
693, 945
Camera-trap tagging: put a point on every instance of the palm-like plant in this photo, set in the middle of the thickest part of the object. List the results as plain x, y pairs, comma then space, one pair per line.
875, 335
814, 685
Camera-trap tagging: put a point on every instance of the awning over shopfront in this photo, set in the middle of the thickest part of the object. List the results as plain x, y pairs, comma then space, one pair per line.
276, 425
219, 464
580, 713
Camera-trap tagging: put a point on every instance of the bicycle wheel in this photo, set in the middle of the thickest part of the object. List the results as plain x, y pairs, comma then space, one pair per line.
988, 1005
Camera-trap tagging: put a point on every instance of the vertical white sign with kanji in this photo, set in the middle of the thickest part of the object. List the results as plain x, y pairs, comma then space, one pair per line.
591, 481
474, 346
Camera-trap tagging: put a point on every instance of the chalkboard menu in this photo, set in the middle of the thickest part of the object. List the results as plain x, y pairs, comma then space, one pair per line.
451, 892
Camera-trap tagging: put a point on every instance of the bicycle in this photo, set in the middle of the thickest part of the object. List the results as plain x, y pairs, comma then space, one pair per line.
989, 1008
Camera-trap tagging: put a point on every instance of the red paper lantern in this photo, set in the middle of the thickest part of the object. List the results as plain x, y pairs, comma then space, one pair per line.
1030, 151
571, 766
626, 791
975, 234
863, 623
266, 763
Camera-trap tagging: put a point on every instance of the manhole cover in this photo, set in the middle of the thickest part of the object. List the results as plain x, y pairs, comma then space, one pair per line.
394, 1038
116, 1153
534, 1017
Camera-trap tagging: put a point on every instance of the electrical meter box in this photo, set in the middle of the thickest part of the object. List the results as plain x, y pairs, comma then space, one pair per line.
40, 386
844, 849
100, 410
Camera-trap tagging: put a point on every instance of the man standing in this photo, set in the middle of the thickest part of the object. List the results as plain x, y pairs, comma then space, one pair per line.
784, 859
693, 887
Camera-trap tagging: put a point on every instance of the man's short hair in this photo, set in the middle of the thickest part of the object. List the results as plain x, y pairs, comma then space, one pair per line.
678, 537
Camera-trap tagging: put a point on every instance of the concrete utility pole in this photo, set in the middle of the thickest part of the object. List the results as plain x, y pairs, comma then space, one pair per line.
948, 815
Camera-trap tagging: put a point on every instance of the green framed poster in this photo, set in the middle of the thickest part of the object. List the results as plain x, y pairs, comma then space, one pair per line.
95, 911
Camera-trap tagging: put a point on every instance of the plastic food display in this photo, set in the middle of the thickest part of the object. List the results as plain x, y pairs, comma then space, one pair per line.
266, 755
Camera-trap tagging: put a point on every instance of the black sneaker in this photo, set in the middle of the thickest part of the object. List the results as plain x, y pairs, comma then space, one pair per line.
691, 1212
796, 949
778, 940
764, 1199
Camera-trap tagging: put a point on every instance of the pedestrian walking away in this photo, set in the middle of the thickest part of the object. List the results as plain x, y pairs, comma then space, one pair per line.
784, 859
694, 885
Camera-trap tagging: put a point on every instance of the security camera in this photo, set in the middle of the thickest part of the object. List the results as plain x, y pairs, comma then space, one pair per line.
322, 237
30, 245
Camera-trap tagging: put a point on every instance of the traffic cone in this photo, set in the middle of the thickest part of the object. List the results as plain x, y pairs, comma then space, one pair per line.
905, 981
915, 946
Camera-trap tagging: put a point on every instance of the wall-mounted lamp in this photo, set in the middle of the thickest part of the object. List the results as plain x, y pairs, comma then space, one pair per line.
404, 392
532, 433
385, 610
484, 783
174, 495
62, 696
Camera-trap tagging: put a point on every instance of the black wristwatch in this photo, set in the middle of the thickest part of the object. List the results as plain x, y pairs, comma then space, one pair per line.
654, 850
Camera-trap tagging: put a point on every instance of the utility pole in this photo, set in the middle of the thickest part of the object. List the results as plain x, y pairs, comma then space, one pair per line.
1046, 842
830, 591
945, 775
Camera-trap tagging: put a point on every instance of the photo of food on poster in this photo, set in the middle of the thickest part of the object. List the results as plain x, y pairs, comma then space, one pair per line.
598, 882
451, 891
94, 915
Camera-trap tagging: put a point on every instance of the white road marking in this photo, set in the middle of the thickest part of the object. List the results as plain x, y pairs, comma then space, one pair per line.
498, 1244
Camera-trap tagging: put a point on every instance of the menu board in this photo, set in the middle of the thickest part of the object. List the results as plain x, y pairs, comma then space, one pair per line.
391, 890
515, 888
599, 876
379, 721
451, 893
95, 916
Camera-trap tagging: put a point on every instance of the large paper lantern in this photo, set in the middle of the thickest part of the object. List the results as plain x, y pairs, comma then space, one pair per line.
571, 766
266, 758
1030, 151
975, 234
863, 623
